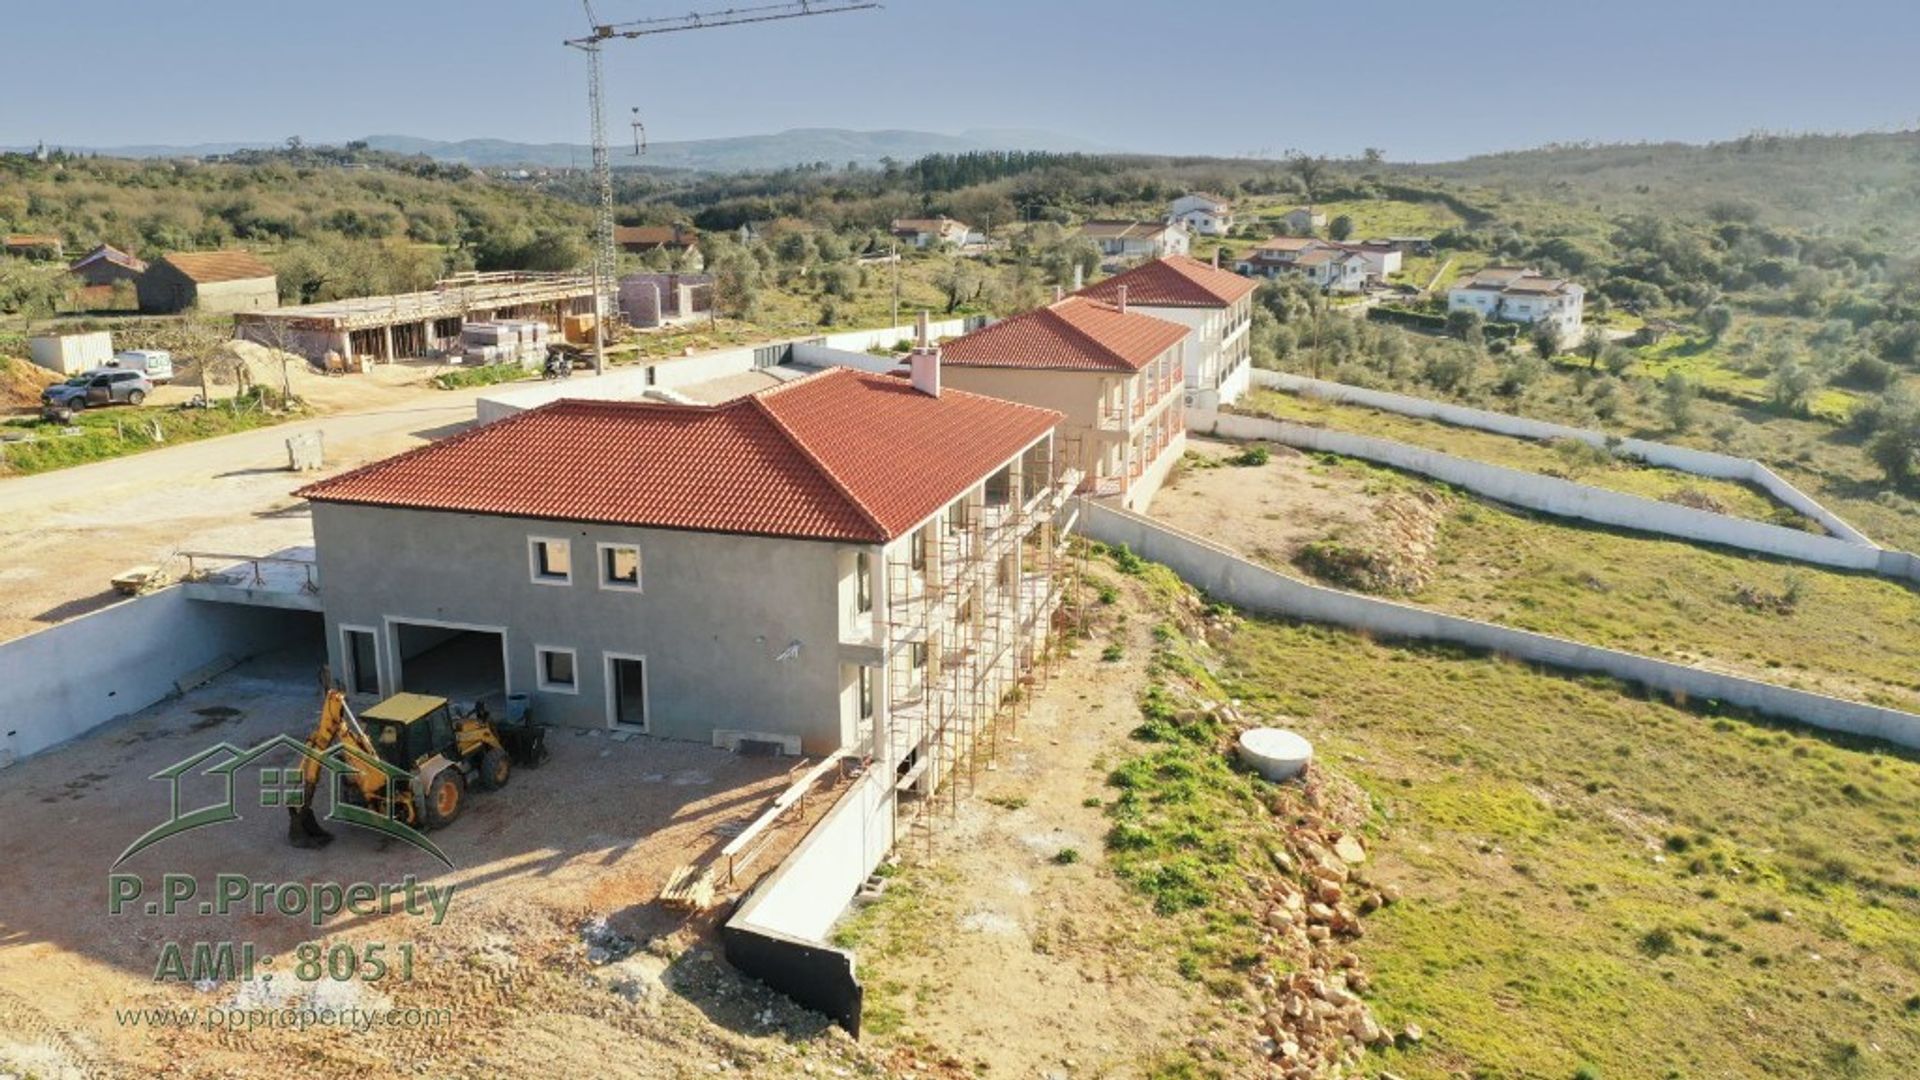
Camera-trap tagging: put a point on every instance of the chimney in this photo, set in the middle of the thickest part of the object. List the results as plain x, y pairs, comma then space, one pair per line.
1216, 258
924, 361
1120, 298
1079, 278
1059, 293
922, 329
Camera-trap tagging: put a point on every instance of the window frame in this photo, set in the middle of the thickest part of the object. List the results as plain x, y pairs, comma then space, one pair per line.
546, 685
862, 583
604, 551
534, 571
863, 692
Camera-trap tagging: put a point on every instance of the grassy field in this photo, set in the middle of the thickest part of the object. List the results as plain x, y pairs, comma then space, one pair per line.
1718, 372
1851, 635
111, 433
1603, 883
1552, 460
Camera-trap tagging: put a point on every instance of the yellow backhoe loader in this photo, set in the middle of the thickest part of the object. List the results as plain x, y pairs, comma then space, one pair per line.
439, 754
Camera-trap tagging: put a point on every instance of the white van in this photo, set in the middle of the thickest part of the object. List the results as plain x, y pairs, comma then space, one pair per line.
155, 364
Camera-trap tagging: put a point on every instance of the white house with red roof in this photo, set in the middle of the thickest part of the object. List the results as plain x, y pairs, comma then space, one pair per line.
1522, 295
1202, 213
1215, 304
1115, 373
848, 561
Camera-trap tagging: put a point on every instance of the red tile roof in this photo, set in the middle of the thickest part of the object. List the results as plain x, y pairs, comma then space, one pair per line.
843, 455
1075, 334
207, 267
1174, 281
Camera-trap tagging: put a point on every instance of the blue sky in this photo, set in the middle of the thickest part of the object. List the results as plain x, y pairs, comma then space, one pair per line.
1422, 80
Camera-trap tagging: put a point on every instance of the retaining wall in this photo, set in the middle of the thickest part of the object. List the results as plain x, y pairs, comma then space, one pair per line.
1226, 576
1666, 455
66, 680
779, 933
1562, 498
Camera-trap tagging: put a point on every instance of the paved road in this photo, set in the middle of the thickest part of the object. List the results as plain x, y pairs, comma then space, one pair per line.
66, 533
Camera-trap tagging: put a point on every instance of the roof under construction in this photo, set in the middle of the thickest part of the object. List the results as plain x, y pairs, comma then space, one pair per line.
447, 299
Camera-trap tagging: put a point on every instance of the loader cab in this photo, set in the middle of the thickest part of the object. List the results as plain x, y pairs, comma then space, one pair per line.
408, 729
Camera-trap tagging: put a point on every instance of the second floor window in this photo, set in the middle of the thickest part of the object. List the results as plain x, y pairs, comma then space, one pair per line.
863, 582
552, 561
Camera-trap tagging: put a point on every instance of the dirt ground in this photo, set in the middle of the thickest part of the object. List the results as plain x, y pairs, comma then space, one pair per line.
1287, 503
1000, 960
591, 835
68, 532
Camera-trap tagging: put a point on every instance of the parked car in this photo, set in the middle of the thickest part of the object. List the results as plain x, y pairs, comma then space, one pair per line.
155, 364
102, 386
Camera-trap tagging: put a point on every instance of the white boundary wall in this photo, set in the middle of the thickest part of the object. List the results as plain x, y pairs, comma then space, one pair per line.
628, 382
1564, 498
812, 888
1666, 455
1224, 575
66, 680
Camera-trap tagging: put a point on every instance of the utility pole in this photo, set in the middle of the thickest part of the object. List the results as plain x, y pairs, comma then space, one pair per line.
604, 257
894, 250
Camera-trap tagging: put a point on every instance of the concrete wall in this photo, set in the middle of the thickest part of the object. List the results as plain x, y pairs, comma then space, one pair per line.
714, 613
1225, 576
1551, 495
64, 681
1684, 459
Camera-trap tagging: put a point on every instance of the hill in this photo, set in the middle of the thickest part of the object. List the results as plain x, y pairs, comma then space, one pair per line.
1865, 184
800, 146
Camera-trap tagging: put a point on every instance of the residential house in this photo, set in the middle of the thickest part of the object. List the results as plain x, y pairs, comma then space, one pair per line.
1116, 374
1303, 219
1128, 240
1330, 264
1207, 215
930, 232
33, 245
830, 564
1276, 256
682, 241
207, 281
100, 271
1333, 270
1216, 304
1521, 295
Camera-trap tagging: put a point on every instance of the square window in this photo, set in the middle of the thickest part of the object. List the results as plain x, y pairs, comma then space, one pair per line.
556, 669
620, 566
552, 560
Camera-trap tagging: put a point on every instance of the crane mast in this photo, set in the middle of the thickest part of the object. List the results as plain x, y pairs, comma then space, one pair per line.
605, 260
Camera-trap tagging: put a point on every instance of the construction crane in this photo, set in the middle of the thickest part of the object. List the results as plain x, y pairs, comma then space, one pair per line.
601, 33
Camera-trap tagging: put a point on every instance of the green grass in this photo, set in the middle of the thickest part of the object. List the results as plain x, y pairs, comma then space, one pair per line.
117, 432
1846, 634
1617, 475
482, 375
1596, 879
1716, 371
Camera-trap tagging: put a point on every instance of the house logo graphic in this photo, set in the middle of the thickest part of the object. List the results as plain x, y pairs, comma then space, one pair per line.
284, 787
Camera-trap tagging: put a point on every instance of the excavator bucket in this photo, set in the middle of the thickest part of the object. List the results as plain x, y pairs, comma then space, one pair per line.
303, 829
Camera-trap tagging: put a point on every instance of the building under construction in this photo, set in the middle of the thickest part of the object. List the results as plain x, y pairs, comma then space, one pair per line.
386, 328
969, 608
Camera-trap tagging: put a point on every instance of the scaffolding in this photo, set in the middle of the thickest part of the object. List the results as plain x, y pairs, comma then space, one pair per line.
970, 617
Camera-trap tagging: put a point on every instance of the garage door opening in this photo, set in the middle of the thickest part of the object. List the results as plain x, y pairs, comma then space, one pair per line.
462, 664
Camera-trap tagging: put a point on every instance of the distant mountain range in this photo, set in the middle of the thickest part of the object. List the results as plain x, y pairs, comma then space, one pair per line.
837, 146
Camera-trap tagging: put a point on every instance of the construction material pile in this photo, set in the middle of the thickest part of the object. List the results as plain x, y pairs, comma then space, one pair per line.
506, 341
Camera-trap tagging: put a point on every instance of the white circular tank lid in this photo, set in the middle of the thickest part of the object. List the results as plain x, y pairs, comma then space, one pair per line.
1276, 753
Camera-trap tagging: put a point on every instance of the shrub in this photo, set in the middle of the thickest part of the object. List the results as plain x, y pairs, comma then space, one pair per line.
1252, 456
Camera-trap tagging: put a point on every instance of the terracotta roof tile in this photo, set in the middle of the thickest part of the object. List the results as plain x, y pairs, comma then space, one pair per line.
1174, 281
842, 455
1075, 334
207, 267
